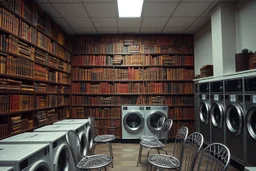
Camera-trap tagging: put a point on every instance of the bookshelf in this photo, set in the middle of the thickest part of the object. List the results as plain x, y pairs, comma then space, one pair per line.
35, 69
112, 70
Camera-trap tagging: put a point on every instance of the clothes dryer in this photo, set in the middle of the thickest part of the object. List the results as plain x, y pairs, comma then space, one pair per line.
204, 111
234, 117
25, 157
250, 120
133, 122
6, 169
217, 116
152, 114
60, 155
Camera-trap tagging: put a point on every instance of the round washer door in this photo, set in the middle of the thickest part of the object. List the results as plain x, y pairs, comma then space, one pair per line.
133, 122
40, 165
251, 122
152, 120
204, 112
62, 158
217, 115
234, 118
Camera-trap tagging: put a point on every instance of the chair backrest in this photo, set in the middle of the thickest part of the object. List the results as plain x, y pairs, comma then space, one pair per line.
180, 139
215, 157
159, 125
165, 130
192, 147
74, 145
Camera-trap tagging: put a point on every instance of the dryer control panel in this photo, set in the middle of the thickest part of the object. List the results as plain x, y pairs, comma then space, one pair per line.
235, 85
217, 87
250, 84
204, 87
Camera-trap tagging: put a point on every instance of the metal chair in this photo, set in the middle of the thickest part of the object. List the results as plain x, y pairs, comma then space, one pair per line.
105, 138
215, 157
159, 125
85, 162
192, 146
156, 144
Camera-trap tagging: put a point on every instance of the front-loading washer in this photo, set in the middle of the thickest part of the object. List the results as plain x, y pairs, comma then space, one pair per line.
78, 128
204, 111
25, 157
217, 116
152, 114
60, 155
133, 122
234, 117
6, 168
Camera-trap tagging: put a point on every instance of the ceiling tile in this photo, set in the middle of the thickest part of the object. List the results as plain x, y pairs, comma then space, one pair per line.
191, 30
129, 30
174, 29
151, 30
60, 21
79, 22
104, 22
68, 30
107, 30
201, 21
158, 9
71, 9
101, 9
85, 30
180, 21
98, 0
162, 0
65, 1
190, 9
129, 22
154, 22
207, 12
197, 0
49, 9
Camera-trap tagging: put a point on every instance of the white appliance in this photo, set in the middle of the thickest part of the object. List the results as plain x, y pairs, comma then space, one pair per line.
152, 115
133, 122
78, 128
72, 121
25, 157
59, 150
6, 169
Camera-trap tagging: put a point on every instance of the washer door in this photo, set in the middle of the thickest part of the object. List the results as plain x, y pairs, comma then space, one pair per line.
62, 158
40, 166
204, 112
152, 120
234, 118
251, 122
133, 122
217, 115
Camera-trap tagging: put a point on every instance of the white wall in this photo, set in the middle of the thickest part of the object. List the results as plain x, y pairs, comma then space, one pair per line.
203, 47
246, 25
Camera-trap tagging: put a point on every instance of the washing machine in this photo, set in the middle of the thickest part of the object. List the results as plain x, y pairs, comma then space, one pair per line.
60, 155
152, 114
217, 114
204, 111
250, 120
196, 107
234, 117
133, 122
6, 169
25, 157
79, 128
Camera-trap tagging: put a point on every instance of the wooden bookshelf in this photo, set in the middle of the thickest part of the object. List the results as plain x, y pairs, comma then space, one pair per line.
35, 69
150, 70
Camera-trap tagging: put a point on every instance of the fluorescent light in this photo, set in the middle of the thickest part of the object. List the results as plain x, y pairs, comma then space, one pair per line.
129, 8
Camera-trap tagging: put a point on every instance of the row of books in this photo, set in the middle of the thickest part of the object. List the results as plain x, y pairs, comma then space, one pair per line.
92, 74
18, 124
104, 112
10, 84
181, 113
82, 60
50, 101
178, 124
92, 88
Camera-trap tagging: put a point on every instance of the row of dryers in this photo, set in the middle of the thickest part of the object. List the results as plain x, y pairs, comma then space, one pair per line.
44, 149
227, 114
141, 120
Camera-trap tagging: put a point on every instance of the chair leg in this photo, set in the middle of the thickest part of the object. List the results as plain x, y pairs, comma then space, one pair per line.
110, 151
139, 156
149, 152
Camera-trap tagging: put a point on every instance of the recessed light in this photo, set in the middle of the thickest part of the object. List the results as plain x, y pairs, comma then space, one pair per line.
129, 8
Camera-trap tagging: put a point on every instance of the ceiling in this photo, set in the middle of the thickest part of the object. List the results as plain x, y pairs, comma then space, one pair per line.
101, 16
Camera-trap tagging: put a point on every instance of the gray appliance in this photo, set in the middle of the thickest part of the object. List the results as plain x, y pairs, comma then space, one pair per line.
204, 111
217, 114
234, 114
250, 121
196, 103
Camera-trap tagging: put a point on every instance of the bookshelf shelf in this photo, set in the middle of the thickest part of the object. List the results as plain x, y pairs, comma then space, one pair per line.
16, 112
132, 94
153, 54
16, 92
47, 108
53, 68
50, 82
102, 105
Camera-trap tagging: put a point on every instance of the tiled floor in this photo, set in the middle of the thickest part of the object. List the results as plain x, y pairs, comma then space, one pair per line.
126, 155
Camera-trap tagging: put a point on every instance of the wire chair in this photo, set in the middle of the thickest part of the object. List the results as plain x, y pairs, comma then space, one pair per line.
105, 138
215, 157
192, 146
156, 144
85, 162
159, 125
